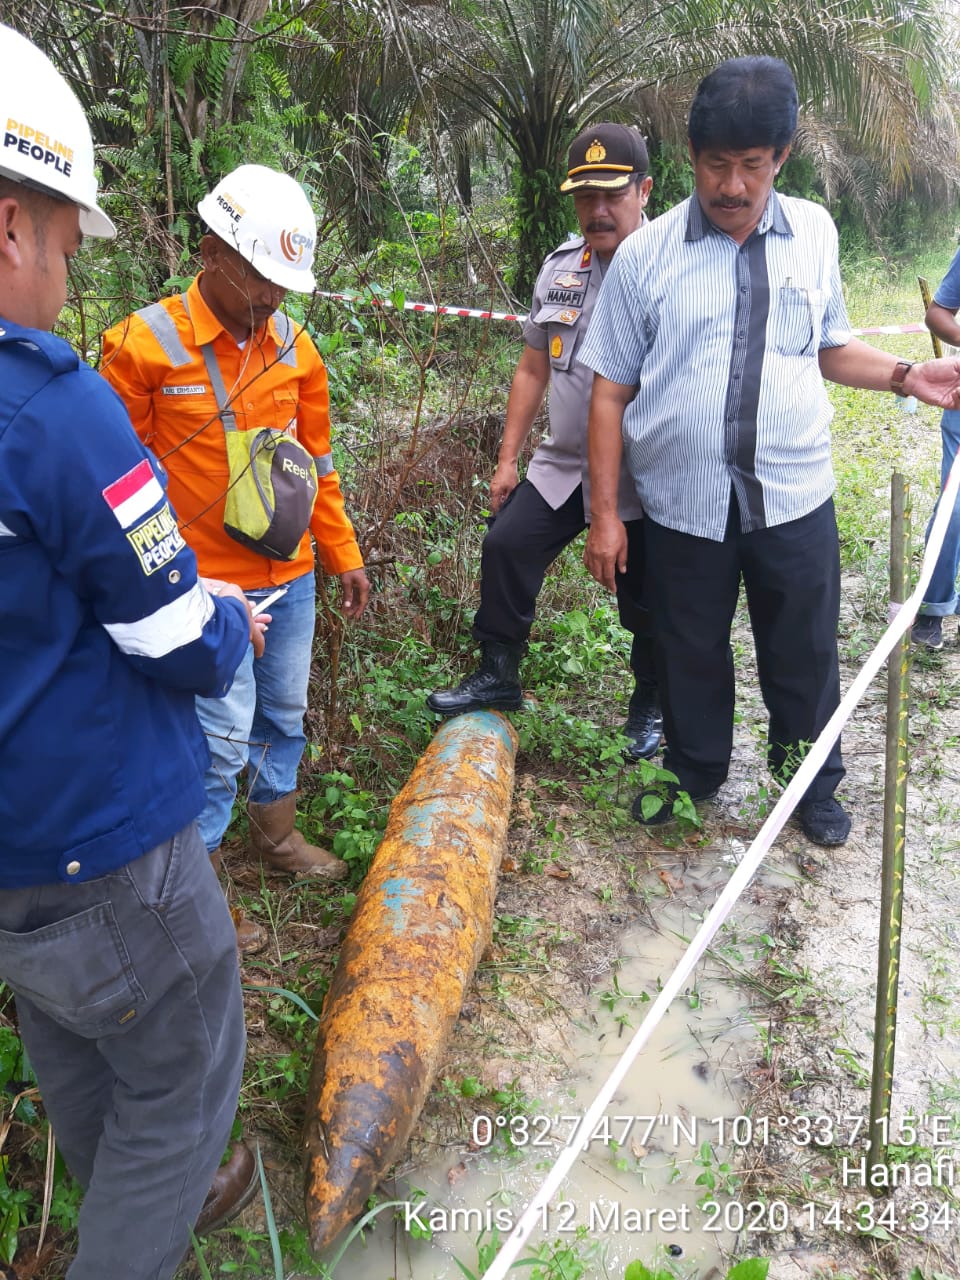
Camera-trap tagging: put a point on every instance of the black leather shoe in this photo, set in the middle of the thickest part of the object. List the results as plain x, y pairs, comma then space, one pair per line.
495, 685
667, 793
644, 725
234, 1186
824, 822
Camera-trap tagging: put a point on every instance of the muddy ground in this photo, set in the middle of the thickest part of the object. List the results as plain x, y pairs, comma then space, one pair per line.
572, 889
811, 993
569, 893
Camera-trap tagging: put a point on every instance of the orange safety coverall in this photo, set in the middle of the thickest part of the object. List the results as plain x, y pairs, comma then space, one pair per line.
174, 412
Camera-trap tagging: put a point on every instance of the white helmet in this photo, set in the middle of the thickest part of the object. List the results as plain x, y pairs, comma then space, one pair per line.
267, 218
46, 138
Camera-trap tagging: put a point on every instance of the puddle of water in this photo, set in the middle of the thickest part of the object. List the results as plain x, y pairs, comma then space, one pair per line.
634, 1192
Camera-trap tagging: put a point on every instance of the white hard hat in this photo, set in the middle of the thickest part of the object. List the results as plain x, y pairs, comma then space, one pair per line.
267, 218
46, 139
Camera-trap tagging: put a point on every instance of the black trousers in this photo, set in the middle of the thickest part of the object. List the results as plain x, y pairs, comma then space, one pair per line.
792, 578
524, 539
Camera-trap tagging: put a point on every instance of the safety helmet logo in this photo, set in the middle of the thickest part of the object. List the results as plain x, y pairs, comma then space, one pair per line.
294, 244
230, 206
37, 151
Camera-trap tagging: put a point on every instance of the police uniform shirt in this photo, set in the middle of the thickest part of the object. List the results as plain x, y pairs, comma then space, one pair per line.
563, 299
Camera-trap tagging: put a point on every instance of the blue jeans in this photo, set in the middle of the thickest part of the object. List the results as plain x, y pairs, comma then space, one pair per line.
259, 724
128, 995
942, 591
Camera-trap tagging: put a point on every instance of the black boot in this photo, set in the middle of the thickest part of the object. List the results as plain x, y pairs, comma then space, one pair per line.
495, 684
644, 725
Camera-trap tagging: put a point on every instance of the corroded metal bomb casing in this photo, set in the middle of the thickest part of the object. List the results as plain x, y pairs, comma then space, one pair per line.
423, 916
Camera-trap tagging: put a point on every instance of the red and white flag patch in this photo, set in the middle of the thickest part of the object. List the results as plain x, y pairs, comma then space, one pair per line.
134, 494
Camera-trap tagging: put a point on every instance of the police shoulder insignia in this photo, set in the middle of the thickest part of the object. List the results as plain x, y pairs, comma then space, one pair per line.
587, 254
556, 347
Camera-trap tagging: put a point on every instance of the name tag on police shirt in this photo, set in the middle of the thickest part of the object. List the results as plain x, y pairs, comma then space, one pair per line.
568, 289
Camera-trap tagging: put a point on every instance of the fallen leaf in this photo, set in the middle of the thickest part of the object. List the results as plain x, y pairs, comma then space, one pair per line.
28, 1263
672, 882
558, 873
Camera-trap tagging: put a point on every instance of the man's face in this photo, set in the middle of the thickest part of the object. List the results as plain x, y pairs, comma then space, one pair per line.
240, 297
607, 217
43, 235
733, 186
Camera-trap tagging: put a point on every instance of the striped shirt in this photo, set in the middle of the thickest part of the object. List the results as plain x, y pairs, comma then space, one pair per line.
721, 341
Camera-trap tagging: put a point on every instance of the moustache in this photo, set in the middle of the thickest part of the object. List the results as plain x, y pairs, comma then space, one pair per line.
729, 204
601, 226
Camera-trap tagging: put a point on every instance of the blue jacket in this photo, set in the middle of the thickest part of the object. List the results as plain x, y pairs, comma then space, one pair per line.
106, 635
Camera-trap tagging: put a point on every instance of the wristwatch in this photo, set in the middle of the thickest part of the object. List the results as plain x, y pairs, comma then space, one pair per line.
897, 378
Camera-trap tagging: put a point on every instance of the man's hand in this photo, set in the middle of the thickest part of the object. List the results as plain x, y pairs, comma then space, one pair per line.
355, 590
856, 364
935, 382
258, 628
505, 480
606, 551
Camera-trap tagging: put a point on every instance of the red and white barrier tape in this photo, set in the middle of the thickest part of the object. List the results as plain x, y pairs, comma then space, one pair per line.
580, 1138
475, 313
465, 313
892, 328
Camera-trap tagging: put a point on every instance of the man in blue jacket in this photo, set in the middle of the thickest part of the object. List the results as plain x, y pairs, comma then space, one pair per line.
114, 935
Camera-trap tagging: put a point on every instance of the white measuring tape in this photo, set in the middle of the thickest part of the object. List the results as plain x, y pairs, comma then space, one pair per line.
474, 313
580, 1138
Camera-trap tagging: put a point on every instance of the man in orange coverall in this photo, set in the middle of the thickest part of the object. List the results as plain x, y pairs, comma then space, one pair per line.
176, 365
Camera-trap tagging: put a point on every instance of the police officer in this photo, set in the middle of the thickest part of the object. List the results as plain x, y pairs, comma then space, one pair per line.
537, 517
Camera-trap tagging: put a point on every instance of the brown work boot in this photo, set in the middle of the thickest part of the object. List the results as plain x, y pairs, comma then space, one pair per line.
278, 843
234, 1186
251, 937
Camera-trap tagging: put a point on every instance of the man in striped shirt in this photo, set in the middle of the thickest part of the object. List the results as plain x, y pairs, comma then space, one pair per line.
710, 341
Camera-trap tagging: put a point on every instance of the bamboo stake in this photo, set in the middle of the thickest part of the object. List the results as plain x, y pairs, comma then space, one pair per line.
894, 829
927, 298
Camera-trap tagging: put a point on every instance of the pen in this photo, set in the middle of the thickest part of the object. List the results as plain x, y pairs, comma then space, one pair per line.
263, 606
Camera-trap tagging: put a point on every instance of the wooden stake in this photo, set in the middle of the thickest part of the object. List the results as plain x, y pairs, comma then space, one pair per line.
894, 829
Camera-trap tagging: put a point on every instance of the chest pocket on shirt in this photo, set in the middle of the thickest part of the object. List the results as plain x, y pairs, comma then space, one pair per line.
797, 320
561, 324
285, 408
